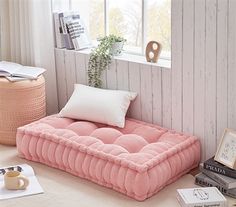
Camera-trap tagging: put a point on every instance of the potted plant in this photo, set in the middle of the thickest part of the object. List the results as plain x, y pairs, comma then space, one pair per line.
101, 56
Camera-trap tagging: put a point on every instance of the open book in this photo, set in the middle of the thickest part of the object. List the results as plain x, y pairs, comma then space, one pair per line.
33, 188
9, 69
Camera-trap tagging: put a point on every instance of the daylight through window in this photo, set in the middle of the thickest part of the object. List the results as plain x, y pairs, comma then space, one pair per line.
139, 21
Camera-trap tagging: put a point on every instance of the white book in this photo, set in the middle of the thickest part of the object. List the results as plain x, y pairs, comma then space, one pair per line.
66, 36
201, 197
17, 70
60, 41
33, 188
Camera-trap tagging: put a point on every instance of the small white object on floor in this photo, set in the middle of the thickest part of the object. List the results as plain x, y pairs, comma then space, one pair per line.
205, 196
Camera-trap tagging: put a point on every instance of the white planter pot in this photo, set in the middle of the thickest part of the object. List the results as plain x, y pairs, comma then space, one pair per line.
117, 48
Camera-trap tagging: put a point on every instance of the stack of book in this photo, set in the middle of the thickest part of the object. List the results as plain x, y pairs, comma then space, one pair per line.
218, 175
70, 31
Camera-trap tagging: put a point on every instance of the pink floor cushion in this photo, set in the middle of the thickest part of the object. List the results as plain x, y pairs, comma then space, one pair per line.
138, 160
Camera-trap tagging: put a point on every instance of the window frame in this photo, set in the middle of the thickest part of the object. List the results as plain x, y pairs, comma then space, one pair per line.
144, 28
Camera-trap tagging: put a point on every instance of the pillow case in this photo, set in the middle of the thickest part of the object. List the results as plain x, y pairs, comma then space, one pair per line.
98, 105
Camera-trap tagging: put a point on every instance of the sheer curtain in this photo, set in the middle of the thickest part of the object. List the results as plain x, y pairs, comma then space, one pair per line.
27, 38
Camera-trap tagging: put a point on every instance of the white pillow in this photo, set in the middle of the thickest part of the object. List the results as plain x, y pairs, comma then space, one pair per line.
98, 105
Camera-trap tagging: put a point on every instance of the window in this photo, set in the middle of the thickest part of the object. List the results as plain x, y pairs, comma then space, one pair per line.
139, 21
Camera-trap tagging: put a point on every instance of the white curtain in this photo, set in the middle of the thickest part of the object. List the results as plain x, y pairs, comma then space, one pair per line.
27, 38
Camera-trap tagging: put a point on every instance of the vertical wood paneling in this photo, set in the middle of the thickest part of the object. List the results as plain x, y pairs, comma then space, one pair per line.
80, 68
166, 98
104, 79
112, 75
70, 71
199, 72
157, 95
146, 92
188, 64
134, 84
86, 67
176, 63
61, 78
210, 83
198, 94
222, 70
122, 68
232, 65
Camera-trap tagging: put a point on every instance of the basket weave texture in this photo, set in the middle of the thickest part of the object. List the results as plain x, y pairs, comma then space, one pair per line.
20, 103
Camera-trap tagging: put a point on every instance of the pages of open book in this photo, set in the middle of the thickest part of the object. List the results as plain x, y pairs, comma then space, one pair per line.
29, 72
8, 67
17, 70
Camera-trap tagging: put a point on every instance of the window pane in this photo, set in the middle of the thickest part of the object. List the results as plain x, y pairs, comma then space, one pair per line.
159, 23
92, 13
62, 5
125, 19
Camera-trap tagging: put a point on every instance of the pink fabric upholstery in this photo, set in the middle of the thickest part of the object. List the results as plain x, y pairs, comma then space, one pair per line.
138, 160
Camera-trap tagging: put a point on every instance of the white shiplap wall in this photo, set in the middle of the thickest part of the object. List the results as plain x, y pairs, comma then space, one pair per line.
197, 95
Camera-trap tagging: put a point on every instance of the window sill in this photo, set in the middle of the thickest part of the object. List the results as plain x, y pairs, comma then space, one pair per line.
163, 63
142, 60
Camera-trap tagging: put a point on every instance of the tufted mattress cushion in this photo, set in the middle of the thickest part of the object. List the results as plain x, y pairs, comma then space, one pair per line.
138, 160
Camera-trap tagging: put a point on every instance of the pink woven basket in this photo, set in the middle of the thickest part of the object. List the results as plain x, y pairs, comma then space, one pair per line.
20, 103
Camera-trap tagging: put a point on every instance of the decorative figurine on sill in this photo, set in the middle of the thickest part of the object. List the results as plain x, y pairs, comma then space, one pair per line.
153, 51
